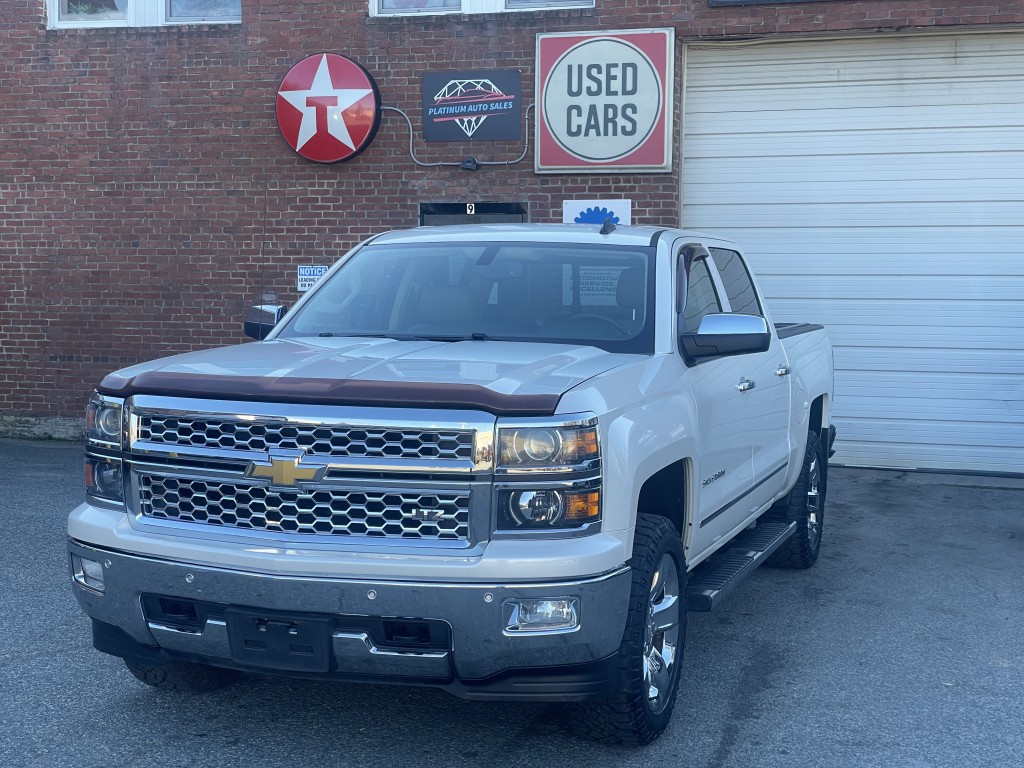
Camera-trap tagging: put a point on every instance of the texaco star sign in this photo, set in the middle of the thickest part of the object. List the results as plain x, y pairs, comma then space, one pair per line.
328, 108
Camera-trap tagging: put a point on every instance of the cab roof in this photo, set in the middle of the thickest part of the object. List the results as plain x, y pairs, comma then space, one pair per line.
548, 233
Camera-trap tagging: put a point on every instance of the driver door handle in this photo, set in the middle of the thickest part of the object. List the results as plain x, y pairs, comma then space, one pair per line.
783, 370
746, 385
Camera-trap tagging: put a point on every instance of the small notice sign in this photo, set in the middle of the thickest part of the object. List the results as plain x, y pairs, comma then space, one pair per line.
308, 276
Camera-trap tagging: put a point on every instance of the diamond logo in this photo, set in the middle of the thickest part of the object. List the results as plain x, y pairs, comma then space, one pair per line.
470, 124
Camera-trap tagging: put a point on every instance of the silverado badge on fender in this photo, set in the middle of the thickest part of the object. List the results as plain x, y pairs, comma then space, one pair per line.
709, 480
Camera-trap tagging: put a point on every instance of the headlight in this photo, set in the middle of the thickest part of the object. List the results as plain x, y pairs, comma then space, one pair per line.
549, 476
103, 420
536, 507
547, 508
104, 479
549, 447
538, 445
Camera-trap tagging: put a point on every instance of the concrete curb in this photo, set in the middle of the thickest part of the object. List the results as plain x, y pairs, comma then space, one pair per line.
42, 427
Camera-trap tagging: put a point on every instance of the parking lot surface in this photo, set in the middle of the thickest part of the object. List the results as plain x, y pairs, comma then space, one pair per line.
903, 646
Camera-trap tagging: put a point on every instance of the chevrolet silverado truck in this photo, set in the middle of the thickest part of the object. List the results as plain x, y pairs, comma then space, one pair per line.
499, 460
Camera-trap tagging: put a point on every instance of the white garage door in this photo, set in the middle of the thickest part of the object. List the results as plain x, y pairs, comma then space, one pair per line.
878, 186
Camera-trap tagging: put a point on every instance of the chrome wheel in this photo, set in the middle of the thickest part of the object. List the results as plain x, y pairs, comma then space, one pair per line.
651, 652
804, 507
814, 503
661, 639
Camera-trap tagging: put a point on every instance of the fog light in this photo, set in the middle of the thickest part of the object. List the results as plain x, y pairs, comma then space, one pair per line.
88, 573
548, 615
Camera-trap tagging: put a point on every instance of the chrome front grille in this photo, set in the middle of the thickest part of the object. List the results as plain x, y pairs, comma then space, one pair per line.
315, 440
364, 476
399, 514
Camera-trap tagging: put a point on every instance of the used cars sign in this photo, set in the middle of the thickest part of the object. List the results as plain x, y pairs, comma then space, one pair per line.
605, 101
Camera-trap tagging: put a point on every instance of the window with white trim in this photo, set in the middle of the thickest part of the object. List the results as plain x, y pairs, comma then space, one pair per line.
409, 7
65, 14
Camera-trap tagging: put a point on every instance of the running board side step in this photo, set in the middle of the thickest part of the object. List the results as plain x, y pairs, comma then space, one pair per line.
712, 581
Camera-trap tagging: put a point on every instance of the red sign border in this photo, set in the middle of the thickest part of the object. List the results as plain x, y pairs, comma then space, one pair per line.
663, 133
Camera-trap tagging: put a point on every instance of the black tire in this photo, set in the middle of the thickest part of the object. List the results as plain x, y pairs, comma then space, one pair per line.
805, 505
183, 676
631, 716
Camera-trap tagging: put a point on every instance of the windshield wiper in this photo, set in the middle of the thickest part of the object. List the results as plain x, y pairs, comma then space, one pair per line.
395, 336
471, 337
405, 336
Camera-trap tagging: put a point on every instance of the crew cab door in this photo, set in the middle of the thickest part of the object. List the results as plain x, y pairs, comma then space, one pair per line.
724, 470
768, 401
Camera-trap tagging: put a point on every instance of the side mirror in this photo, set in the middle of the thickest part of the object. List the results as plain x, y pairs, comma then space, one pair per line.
725, 334
261, 319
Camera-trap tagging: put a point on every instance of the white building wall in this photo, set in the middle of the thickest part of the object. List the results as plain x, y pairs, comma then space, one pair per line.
877, 185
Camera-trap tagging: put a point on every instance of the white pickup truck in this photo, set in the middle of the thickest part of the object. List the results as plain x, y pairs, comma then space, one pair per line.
499, 460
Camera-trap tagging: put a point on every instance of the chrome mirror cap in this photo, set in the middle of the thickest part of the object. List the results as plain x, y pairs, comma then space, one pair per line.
724, 335
261, 319
713, 325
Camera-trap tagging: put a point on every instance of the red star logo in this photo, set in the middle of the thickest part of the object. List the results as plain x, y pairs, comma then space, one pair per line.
328, 108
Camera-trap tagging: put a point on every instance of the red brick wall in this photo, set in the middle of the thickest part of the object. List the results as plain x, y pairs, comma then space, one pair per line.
140, 169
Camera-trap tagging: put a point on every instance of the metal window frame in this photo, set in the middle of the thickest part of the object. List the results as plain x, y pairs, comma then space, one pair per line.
139, 13
483, 6
169, 18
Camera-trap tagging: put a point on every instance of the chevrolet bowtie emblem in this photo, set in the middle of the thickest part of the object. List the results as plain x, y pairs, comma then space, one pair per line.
283, 470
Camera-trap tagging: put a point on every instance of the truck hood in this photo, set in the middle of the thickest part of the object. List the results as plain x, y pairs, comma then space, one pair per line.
502, 377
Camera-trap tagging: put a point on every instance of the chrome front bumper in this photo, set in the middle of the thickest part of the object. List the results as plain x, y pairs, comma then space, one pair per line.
477, 649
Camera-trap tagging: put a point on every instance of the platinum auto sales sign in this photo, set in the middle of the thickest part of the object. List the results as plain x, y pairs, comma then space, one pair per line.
604, 101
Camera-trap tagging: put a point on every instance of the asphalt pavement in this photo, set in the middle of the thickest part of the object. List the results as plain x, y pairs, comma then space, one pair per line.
903, 646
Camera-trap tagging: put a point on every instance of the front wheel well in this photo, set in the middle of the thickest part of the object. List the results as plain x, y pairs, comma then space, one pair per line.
814, 422
663, 494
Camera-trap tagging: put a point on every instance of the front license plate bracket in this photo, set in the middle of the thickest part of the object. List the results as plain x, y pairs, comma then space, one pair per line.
286, 643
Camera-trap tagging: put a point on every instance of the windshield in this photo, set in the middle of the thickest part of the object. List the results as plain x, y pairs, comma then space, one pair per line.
563, 293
